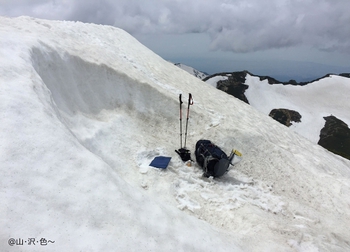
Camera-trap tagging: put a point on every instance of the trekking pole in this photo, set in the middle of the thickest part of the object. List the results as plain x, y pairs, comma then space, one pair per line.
190, 102
180, 120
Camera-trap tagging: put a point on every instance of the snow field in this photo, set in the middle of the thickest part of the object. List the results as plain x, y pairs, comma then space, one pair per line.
313, 101
85, 115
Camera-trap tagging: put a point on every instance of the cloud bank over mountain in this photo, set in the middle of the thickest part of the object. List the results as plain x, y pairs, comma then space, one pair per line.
233, 25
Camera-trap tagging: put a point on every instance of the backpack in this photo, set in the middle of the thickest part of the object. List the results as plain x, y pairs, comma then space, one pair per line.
211, 158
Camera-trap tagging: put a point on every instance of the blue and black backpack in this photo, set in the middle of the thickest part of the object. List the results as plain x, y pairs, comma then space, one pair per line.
211, 158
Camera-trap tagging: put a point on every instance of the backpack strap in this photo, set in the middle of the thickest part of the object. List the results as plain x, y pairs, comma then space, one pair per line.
208, 159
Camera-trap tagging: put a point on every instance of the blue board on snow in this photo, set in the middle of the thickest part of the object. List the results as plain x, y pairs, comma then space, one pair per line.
160, 162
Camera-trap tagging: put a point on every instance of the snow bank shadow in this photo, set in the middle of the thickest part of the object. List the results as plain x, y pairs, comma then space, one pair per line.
108, 112
233, 181
80, 86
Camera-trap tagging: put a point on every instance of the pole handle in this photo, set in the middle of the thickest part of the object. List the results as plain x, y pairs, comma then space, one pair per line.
180, 99
190, 100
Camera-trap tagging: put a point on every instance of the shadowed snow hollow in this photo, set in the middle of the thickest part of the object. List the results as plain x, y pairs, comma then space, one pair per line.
80, 86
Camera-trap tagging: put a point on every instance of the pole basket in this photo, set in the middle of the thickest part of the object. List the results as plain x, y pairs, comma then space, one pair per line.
184, 154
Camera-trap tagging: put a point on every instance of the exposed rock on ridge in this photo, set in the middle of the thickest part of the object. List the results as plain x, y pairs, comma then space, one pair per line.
285, 116
335, 136
234, 85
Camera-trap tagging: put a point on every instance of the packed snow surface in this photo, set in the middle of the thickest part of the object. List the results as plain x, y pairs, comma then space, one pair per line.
85, 108
214, 80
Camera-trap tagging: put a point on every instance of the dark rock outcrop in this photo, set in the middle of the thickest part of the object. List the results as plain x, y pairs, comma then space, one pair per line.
347, 75
234, 85
335, 136
285, 116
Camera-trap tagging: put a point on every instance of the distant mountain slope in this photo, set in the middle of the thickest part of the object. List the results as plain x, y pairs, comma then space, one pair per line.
302, 106
270, 79
191, 70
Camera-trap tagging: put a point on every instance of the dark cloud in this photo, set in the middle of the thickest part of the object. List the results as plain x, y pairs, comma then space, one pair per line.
233, 25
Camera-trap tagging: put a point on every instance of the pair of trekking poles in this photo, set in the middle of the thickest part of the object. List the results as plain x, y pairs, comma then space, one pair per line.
183, 152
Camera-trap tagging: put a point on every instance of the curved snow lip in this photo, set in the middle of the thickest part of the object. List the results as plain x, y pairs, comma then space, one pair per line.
107, 111
77, 86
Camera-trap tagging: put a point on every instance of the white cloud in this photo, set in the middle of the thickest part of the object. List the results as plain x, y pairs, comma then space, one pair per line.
233, 25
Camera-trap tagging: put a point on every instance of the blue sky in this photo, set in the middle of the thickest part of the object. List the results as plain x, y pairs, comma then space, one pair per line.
286, 39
